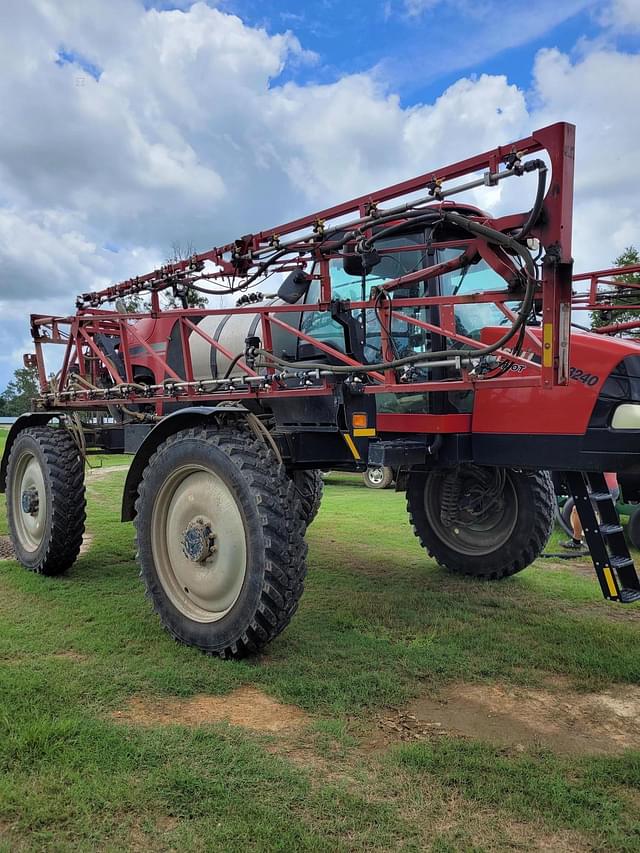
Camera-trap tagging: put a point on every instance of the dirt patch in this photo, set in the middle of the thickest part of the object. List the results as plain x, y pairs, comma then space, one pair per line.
75, 657
7, 552
576, 565
246, 707
87, 542
6, 548
94, 474
562, 720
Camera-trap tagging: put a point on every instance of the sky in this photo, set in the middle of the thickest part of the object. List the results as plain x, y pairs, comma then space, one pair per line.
131, 125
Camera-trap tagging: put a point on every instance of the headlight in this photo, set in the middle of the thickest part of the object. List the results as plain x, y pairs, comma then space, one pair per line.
626, 416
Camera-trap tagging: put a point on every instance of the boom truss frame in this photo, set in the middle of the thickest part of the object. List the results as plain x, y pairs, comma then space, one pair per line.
244, 262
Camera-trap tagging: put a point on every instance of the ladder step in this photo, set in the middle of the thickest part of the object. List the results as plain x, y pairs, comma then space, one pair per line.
601, 496
618, 563
610, 529
628, 596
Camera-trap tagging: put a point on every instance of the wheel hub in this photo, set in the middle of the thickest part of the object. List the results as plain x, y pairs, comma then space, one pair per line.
198, 541
30, 501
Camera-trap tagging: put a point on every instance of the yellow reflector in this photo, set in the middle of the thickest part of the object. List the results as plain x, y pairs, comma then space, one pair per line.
547, 345
613, 592
351, 446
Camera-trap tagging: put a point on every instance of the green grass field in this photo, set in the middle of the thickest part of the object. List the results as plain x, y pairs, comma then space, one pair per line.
379, 625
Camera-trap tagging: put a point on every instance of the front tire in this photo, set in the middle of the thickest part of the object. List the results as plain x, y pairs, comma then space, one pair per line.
483, 522
220, 544
46, 499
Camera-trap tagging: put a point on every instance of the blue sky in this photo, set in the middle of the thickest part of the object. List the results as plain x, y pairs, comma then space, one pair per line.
356, 36
426, 50
171, 121
422, 46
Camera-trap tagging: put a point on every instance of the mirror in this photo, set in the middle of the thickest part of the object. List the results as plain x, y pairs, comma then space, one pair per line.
294, 287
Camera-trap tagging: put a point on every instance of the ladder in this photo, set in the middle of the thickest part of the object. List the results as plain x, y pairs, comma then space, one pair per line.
612, 561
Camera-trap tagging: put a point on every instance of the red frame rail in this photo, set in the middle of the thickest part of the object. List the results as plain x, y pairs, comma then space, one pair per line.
604, 286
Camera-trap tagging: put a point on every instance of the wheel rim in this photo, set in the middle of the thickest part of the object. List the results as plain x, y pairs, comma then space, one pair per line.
375, 475
474, 537
29, 502
199, 544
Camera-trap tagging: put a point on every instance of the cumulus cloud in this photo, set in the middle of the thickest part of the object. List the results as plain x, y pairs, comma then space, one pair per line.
180, 131
622, 15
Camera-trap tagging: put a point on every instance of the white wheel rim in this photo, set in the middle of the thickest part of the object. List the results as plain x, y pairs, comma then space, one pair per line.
199, 543
376, 475
29, 500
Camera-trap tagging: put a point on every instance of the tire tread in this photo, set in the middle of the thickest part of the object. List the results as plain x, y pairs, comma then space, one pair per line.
283, 534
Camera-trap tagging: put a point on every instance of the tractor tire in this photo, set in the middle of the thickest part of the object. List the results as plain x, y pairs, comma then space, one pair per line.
46, 499
633, 528
564, 516
220, 543
508, 538
378, 477
309, 490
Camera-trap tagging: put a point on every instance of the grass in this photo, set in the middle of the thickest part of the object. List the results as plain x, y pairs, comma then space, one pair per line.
379, 624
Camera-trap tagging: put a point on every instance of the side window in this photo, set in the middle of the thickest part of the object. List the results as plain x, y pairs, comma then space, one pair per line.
471, 318
477, 278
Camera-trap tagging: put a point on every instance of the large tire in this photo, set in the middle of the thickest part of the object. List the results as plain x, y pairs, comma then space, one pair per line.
564, 516
46, 499
506, 539
309, 489
378, 477
220, 544
633, 528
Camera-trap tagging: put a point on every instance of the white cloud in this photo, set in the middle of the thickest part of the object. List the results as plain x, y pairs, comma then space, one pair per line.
188, 136
622, 15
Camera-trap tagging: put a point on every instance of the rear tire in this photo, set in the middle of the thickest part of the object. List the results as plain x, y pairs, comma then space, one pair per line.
633, 528
220, 544
46, 499
378, 477
564, 516
309, 488
499, 540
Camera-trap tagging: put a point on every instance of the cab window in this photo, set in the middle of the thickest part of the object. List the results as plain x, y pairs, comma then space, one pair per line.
344, 286
476, 278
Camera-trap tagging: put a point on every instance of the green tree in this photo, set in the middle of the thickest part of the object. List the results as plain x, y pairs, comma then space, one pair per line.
180, 252
630, 256
16, 399
136, 303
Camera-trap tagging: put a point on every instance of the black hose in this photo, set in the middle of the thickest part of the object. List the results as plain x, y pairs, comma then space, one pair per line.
232, 364
491, 235
537, 205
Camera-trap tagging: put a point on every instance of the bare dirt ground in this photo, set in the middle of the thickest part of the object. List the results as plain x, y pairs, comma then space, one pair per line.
7, 552
560, 719
246, 707
99, 473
